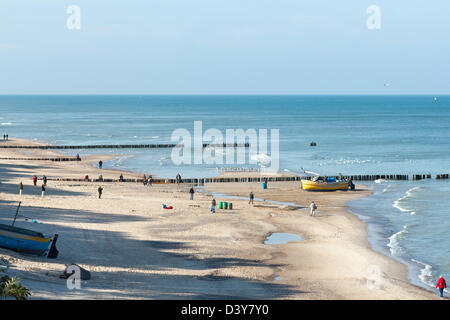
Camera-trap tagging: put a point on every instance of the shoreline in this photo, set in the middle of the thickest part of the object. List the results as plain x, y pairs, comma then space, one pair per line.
283, 258
381, 240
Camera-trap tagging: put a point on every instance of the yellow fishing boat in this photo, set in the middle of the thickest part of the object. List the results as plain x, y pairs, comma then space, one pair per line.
324, 186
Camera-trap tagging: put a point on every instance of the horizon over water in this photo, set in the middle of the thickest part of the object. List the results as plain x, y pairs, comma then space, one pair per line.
355, 134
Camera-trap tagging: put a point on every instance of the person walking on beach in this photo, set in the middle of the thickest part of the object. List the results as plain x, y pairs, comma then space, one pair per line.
78, 157
178, 178
213, 206
100, 191
100, 164
42, 191
144, 180
35, 180
252, 197
313, 209
149, 182
441, 285
191, 191
44, 179
7, 138
20, 188
121, 178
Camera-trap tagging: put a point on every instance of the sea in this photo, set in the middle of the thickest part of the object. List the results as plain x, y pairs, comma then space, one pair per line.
408, 220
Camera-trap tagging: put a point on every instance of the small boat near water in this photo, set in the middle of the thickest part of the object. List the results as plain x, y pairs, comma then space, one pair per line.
27, 241
325, 185
24, 240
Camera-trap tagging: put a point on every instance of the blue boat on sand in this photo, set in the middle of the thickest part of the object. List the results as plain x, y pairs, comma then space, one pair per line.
24, 240
27, 241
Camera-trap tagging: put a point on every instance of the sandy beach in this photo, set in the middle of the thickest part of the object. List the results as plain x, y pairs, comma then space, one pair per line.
135, 249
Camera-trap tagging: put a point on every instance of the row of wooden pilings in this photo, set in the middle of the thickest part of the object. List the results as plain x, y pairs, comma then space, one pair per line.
202, 181
43, 159
125, 146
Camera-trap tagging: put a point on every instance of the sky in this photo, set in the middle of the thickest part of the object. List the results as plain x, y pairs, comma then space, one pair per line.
224, 47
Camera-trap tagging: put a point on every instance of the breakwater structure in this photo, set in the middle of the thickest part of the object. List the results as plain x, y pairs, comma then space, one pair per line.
202, 181
43, 159
123, 146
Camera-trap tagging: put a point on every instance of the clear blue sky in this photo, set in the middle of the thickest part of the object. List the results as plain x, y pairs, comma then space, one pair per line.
224, 47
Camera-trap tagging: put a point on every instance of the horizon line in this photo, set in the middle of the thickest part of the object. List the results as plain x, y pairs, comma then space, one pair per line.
224, 94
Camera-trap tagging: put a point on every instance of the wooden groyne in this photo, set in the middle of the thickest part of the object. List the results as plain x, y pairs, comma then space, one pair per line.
43, 159
202, 181
124, 146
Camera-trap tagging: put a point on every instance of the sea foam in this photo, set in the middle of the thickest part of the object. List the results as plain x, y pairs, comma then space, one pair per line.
409, 194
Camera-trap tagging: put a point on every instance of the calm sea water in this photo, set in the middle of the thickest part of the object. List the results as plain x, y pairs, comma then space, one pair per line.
354, 135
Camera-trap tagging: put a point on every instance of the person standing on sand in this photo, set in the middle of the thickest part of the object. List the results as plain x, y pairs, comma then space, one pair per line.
149, 183
44, 179
20, 188
121, 178
144, 180
35, 180
42, 190
441, 285
178, 178
252, 197
100, 164
191, 191
313, 209
100, 191
213, 206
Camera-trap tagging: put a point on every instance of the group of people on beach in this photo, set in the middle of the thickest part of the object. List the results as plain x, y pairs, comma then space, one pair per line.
147, 181
5, 137
35, 180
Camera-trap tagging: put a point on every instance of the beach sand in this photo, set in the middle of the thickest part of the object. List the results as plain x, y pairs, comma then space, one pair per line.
135, 249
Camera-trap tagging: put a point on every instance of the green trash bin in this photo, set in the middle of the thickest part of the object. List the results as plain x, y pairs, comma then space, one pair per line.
225, 205
220, 205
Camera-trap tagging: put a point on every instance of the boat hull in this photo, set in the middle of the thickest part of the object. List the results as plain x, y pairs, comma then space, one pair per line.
24, 240
324, 186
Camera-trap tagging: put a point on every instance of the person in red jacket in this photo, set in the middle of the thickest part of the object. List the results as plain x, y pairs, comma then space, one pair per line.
441, 285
